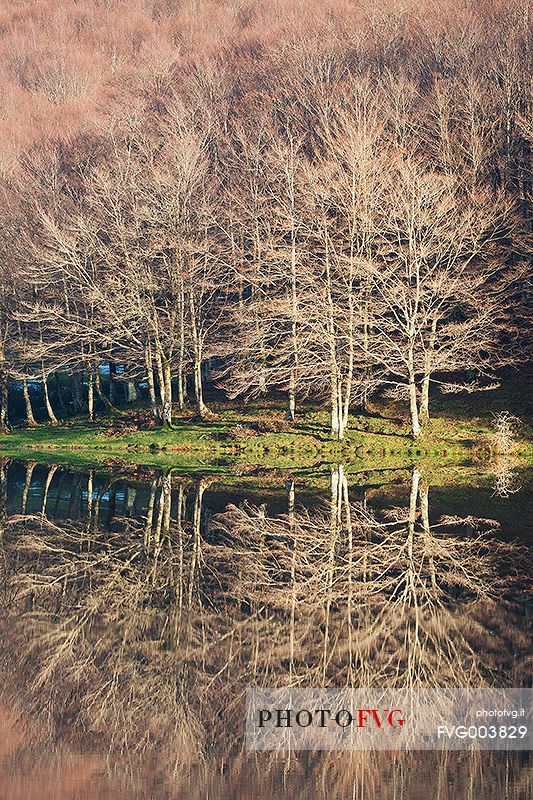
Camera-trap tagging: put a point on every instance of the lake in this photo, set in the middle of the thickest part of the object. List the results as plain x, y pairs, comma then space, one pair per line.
139, 605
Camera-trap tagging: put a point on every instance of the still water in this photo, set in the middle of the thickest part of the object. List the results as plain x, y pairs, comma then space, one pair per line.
136, 610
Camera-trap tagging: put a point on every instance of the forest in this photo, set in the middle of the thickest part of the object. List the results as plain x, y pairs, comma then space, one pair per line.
318, 202
266, 414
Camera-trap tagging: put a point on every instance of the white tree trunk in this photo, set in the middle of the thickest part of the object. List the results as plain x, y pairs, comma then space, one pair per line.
131, 391
30, 419
90, 393
424, 399
151, 383
4, 395
291, 398
413, 400
201, 408
182, 393
49, 410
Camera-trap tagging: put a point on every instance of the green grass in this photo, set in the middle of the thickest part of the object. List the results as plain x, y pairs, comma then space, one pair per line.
256, 434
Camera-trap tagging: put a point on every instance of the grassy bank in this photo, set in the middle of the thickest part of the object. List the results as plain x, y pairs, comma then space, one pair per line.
257, 434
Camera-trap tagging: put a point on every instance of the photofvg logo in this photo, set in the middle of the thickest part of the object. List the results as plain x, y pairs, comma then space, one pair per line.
388, 719
322, 717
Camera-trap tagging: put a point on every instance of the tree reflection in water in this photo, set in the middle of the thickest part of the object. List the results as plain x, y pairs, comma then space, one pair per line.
141, 641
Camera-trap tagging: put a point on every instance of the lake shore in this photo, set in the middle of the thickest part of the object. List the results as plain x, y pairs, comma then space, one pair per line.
258, 434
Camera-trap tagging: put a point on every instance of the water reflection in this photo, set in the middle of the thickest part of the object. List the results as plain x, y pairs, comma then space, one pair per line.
64, 493
136, 614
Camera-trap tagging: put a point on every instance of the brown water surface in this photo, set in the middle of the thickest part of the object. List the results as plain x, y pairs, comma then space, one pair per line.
136, 613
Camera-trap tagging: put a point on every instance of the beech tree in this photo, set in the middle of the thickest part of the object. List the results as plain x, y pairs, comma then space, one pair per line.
438, 281
268, 239
337, 209
345, 186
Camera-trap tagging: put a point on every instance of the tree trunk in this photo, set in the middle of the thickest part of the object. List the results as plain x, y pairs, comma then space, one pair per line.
424, 396
413, 497
291, 408
49, 477
3, 497
201, 486
345, 402
160, 377
30, 419
90, 393
77, 383
182, 392
291, 398
167, 502
334, 411
341, 413
151, 383
201, 408
424, 507
60, 396
4, 393
337, 426
291, 507
335, 517
89, 500
167, 405
413, 407
413, 401
336, 401
131, 494
30, 466
182, 388
113, 385
257, 306
49, 410
424, 399
366, 343
165, 389
101, 394
338, 423
167, 377
131, 391
150, 515
344, 407
424, 511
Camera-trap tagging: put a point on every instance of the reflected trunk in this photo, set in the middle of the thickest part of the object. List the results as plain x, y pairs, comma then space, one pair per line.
30, 466
49, 477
